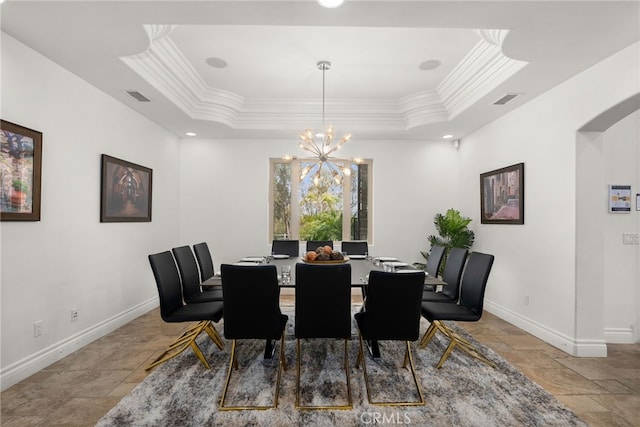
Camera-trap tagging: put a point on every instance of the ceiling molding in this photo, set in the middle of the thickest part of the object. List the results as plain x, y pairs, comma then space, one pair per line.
166, 68
483, 69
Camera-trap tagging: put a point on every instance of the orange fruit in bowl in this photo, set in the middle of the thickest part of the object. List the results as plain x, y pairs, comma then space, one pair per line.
327, 249
311, 256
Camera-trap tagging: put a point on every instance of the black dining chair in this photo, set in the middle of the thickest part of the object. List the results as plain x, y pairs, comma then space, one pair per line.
312, 245
452, 275
355, 248
469, 309
436, 256
205, 261
323, 310
172, 310
391, 312
191, 289
252, 311
286, 247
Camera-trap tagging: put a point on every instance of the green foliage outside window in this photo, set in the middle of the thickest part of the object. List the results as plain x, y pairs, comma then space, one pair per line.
324, 226
320, 207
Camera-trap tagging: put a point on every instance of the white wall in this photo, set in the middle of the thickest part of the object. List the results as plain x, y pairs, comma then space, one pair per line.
621, 149
225, 184
69, 259
538, 259
217, 191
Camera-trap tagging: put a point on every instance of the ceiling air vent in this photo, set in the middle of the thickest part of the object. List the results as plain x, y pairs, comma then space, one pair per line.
138, 96
508, 97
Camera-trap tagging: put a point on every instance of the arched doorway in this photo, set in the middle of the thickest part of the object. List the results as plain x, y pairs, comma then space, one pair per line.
590, 228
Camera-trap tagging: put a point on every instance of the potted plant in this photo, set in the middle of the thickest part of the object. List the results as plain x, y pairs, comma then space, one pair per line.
18, 195
453, 232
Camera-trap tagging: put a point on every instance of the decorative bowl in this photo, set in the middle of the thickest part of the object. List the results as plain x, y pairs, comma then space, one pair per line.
332, 261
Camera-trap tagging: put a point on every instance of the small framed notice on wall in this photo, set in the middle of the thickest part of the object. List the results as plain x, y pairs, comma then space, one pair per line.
620, 198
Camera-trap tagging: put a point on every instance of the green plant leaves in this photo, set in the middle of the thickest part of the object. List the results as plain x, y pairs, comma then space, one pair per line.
453, 232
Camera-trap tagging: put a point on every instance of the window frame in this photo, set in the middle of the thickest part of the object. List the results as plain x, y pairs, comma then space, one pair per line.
295, 190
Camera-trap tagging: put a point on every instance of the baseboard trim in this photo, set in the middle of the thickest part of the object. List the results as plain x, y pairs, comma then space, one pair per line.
636, 331
580, 348
29, 365
619, 335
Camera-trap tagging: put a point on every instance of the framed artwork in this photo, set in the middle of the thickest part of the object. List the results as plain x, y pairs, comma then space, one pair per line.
502, 195
619, 198
20, 172
125, 191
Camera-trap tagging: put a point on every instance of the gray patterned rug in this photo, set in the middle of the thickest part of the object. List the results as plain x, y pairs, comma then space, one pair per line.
464, 392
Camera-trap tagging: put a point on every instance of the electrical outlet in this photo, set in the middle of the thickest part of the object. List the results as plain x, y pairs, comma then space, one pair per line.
74, 315
37, 328
631, 238
526, 300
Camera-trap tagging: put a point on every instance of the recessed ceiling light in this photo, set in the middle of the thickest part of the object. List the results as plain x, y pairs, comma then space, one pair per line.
190, 133
330, 4
447, 136
431, 64
216, 62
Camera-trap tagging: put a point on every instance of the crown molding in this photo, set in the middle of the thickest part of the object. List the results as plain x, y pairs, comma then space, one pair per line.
483, 69
166, 68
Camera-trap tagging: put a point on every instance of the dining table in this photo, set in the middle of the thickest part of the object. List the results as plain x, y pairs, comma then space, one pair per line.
361, 266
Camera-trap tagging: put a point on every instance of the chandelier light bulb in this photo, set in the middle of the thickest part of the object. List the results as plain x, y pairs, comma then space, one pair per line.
336, 177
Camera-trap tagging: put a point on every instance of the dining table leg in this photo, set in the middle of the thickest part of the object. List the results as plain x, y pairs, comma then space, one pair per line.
269, 349
373, 348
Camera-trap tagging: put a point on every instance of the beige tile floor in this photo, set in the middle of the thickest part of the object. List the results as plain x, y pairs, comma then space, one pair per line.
79, 389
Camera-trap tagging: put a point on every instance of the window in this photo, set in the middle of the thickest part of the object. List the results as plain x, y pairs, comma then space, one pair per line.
326, 210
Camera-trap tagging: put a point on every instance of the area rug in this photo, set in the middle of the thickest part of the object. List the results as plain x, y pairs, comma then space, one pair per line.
464, 392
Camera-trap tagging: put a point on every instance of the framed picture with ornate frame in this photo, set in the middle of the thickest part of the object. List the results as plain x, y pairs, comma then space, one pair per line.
502, 195
20, 172
125, 191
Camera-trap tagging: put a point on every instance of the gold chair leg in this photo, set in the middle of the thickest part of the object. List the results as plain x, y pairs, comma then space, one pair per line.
346, 370
463, 344
180, 344
429, 334
233, 364
359, 358
408, 357
232, 359
214, 335
198, 353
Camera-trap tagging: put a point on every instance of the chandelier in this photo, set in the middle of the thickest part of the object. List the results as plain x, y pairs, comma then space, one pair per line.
321, 145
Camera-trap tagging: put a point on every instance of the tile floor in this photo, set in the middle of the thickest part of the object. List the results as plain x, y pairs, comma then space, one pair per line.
79, 389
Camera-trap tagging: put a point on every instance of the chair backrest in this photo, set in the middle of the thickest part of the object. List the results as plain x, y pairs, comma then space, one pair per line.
286, 247
312, 245
355, 248
393, 306
204, 260
452, 273
436, 255
474, 281
323, 301
251, 297
168, 282
188, 271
